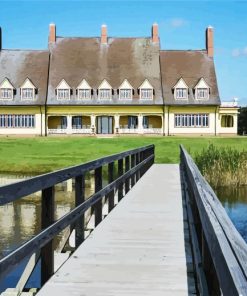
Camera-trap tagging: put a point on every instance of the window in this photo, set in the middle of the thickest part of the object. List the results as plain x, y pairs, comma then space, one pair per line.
202, 93
227, 121
146, 94
181, 93
105, 94
17, 121
84, 94
63, 94
191, 120
27, 93
132, 122
125, 94
145, 122
6, 93
76, 122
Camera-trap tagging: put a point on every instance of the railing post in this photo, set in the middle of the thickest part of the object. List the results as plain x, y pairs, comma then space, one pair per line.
98, 187
79, 199
47, 218
110, 195
132, 165
137, 162
120, 173
127, 167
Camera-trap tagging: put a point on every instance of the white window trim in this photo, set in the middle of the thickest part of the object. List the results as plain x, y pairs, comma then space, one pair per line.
7, 99
175, 93
103, 89
28, 99
62, 89
84, 89
123, 99
196, 93
145, 99
181, 118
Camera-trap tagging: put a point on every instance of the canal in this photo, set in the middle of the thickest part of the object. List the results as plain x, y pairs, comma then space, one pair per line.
19, 221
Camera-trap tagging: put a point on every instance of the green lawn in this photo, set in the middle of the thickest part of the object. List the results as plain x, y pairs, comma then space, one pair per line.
44, 154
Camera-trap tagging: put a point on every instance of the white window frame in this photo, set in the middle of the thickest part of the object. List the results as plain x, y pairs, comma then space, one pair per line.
27, 89
202, 90
146, 91
199, 120
9, 90
63, 90
123, 92
17, 121
102, 94
178, 92
87, 94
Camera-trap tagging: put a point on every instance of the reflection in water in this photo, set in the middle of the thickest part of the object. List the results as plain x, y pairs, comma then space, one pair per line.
234, 200
21, 220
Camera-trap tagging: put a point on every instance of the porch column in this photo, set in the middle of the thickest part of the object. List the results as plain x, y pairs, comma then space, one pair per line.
69, 124
116, 121
162, 125
140, 124
235, 122
93, 124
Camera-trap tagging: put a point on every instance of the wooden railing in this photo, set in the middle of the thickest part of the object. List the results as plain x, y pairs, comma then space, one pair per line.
220, 253
131, 165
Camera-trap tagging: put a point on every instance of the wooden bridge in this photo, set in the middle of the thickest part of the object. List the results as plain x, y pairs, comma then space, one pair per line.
166, 232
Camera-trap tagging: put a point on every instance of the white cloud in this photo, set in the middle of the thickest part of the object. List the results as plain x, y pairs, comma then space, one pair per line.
178, 22
237, 52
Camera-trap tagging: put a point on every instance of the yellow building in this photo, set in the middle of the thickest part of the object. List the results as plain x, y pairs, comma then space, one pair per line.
106, 85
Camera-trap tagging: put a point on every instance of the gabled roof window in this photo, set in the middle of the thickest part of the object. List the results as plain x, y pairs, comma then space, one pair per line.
146, 90
63, 90
202, 90
28, 90
6, 90
181, 90
84, 90
105, 91
125, 91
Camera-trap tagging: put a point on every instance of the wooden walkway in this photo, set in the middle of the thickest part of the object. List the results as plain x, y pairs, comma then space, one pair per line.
138, 249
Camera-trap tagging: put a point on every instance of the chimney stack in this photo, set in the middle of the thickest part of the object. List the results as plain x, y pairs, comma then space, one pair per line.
210, 41
103, 34
0, 38
155, 33
52, 33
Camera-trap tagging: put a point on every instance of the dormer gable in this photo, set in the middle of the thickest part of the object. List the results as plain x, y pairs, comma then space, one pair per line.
63, 85
146, 85
6, 84
28, 90
125, 90
146, 90
125, 85
180, 84
63, 90
6, 90
202, 84
84, 85
104, 85
202, 90
83, 90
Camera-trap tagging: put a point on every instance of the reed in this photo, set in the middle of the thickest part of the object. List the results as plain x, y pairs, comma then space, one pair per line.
222, 166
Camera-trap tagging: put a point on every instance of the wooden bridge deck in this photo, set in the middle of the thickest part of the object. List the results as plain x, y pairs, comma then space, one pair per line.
138, 249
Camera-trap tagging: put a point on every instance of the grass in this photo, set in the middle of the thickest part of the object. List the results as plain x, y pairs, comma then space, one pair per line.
44, 154
223, 166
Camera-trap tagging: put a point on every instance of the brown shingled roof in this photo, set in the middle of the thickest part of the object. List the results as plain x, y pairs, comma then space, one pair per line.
17, 65
134, 59
191, 66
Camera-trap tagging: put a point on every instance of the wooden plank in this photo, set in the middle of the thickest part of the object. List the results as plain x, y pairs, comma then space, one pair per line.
47, 218
11, 192
138, 249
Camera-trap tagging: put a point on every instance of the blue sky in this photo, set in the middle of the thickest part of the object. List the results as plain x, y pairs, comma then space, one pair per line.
181, 25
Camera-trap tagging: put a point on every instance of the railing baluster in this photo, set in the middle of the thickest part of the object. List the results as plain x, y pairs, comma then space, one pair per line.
79, 199
110, 196
120, 173
47, 218
127, 167
98, 186
137, 162
132, 165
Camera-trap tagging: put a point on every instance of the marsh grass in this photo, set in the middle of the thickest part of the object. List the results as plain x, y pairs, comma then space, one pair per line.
223, 166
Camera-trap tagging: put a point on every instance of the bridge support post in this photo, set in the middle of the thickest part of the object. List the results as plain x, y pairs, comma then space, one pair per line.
120, 173
110, 195
47, 218
98, 187
127, 167
79, 199
132, 165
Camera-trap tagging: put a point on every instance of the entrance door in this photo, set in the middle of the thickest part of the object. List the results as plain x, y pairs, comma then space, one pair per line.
104, 125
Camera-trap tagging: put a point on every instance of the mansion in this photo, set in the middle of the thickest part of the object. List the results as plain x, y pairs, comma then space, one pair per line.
111, 85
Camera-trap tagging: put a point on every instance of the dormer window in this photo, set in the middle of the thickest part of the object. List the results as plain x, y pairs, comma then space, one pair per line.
63, 90
84, 91
125, 91
105, 91
6, 90
27, 90
202, 90
146, 90
181, 90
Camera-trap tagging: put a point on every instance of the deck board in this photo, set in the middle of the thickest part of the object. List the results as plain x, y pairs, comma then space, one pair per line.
138, 249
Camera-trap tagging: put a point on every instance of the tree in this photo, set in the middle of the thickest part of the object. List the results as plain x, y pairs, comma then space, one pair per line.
242, 121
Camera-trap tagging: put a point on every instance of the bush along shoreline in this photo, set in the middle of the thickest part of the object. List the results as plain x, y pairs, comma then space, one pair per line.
222, 166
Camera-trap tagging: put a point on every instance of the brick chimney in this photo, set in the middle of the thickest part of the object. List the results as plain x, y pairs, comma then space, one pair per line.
52, 33
0, 38
210, 41
103, 34
155, 33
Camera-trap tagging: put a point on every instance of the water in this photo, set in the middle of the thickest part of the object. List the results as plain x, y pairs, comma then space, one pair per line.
21, 220
234, 201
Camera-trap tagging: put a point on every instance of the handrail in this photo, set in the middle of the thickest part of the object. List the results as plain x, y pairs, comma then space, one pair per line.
137, 162
223, 250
